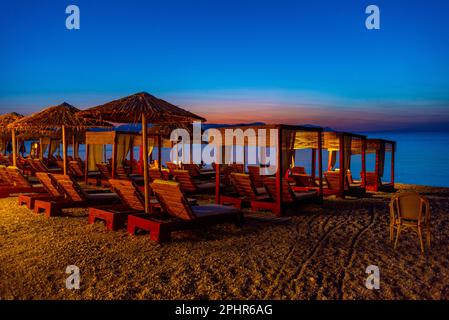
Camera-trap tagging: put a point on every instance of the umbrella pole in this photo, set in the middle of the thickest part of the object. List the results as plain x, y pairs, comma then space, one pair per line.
145, 163
64, 149
14, 148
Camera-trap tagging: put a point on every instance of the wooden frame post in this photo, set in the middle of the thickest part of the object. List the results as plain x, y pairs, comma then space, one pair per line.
145, 163
320, 162
114, 157
393, 151
363, 163
86, 163
342, 165
279, 207
64, 149
313, 164
14, 148
217, 183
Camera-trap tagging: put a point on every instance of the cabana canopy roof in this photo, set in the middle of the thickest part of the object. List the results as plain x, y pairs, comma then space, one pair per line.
109, 137
56, 117
331, 140
129, 110
305, 136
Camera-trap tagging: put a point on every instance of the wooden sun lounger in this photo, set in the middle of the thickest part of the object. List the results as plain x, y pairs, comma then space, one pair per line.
156, 174
78, 172
196, 172
246, 193
289, 196
254, 172
52, 192
189, 185
17, 183
75, 197
39, 166
333, 185
374, 183
179, 215
115, 216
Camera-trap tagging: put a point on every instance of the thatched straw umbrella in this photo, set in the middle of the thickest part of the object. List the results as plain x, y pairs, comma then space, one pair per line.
63, 116
5, 120
145, 108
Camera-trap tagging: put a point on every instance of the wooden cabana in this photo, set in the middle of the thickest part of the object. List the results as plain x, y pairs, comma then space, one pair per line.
123, 144
346, 144
380, 147
289, 139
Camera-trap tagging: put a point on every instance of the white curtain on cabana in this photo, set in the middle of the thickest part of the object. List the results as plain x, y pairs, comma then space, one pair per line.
288, 144
151, 142
95, 156
332, 160
124, 143
54, 146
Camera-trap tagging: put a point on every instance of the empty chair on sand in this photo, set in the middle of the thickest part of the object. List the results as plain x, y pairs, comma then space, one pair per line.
410, 211
178, 214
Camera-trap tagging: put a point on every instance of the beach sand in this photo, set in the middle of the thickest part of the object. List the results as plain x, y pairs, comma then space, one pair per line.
320, 253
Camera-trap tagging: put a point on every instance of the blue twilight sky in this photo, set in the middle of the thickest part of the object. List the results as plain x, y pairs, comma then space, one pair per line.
235, 60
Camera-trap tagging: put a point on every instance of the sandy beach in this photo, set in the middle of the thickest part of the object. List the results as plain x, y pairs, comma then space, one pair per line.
321, 252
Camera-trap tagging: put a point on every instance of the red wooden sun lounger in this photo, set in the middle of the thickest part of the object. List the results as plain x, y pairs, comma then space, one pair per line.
178, 214
75, 197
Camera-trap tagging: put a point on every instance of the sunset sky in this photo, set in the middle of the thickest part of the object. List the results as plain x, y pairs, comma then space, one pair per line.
295, 62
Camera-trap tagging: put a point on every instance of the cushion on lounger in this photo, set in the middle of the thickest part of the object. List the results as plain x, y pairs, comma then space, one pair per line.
213, 209
305, 195
102, 196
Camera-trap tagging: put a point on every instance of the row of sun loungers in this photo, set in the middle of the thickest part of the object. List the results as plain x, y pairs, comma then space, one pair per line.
123, 203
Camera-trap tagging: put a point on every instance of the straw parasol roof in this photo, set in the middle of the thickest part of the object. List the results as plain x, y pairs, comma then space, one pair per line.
129, 110
56, 117
6, 119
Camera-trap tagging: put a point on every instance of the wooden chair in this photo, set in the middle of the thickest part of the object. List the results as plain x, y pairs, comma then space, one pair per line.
51, 191
189, 185
17, 183
179, 215
410, 211
75, 197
